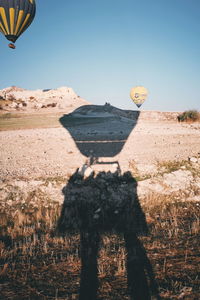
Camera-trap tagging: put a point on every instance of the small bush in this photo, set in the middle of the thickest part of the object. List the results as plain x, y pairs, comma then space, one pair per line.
189, 115
51, 104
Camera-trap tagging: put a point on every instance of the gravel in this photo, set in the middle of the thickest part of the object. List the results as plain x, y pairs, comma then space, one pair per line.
34, 153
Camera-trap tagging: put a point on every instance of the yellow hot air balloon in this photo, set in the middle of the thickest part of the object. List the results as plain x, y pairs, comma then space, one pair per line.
138, 95
15, 17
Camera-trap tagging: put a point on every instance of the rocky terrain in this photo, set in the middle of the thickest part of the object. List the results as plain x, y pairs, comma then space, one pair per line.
36, 162
18, 99
161, 152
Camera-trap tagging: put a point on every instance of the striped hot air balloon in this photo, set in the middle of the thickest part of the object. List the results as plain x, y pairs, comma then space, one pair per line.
15, 17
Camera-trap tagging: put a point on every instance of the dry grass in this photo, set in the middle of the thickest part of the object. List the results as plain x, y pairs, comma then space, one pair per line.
36, 264
171, 166
15, 121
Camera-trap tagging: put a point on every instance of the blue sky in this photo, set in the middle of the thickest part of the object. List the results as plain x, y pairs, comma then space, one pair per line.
102, 48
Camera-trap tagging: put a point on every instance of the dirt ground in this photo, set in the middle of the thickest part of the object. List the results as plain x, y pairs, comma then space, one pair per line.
36, 264
41, 152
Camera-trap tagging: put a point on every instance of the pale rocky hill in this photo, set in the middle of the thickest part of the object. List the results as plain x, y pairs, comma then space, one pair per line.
15, 98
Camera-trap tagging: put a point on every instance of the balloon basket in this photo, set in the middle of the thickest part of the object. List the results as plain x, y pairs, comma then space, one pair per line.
11, 46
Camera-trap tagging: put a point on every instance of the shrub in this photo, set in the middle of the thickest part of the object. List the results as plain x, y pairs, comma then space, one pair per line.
51, 105
189, 115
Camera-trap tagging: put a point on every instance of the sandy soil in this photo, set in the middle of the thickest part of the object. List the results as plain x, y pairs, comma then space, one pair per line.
170, 202
54, 152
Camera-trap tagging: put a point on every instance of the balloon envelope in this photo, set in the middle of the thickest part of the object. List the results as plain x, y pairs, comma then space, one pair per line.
15, 17
138, 95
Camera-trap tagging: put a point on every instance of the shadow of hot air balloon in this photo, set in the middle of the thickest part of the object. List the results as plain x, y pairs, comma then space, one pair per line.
100, 130
15, 18
105, 202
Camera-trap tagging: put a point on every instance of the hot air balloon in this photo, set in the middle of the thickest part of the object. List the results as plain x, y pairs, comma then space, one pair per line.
15, 17
138, 95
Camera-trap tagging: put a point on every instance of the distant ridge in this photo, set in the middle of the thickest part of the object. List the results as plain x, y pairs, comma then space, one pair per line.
16, 98
65, 99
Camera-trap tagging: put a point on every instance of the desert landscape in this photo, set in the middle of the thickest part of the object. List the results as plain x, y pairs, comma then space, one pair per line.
45, 136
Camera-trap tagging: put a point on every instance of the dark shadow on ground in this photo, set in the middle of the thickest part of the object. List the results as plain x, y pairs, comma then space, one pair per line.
99, 131
105, 203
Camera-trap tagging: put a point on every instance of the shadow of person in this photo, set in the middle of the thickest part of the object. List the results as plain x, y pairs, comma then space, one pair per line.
105, 202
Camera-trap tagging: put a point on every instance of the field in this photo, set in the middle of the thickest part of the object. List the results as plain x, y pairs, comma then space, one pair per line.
37, 265
38, 156
9, 121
